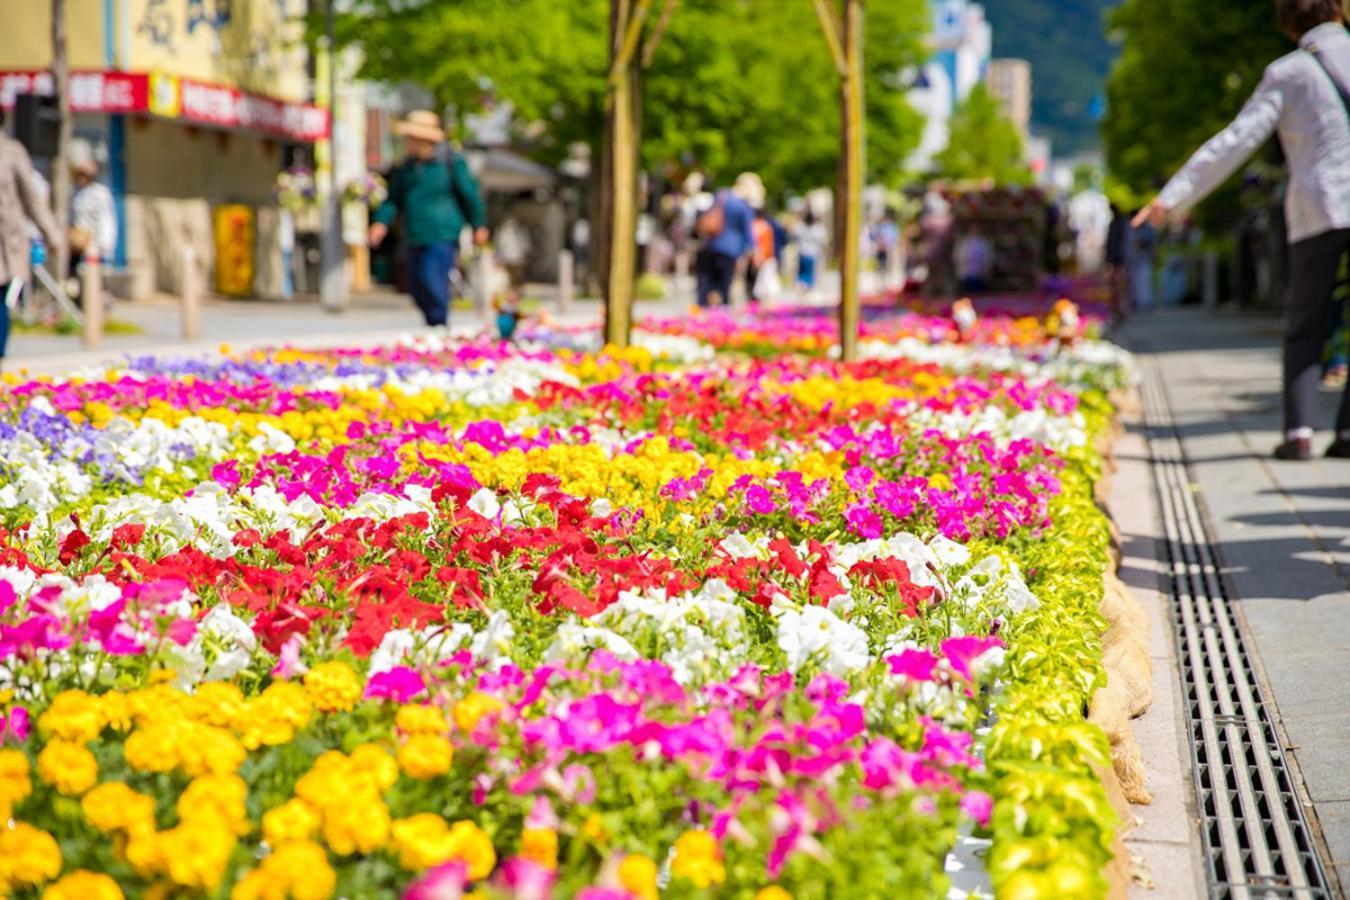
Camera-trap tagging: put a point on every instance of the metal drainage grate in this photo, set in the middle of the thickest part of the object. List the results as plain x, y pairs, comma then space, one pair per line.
1257, 842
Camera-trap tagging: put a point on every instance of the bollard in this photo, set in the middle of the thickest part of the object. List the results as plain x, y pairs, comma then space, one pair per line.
483, 282
192, 296
566, 280
91, 293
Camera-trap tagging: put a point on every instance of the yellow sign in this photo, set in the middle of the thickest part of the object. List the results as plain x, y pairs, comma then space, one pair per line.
165, 96
235, 234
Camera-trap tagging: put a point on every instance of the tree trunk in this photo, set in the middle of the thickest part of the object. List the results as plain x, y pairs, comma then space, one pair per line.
61, 165
618, 183
851, 201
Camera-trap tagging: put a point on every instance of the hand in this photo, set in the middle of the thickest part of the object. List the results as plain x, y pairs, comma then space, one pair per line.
1155, 214
378, 232
480, 236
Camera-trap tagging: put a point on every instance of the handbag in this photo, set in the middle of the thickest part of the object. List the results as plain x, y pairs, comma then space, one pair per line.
712, 222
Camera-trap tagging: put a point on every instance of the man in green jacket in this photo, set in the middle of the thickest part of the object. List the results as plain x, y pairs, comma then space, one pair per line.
437, 196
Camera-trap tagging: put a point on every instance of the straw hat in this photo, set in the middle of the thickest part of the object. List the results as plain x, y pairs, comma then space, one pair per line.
750, 189
422, 124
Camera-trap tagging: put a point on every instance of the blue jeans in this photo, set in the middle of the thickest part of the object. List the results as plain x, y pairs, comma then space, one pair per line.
806, 271
429, 276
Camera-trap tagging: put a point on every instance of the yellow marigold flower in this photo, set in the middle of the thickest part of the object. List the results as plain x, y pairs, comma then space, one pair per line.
377, 764
470, 844
113, 806
333, 686
68, 767
273, 717
217, 797
425, 756
116, 710
422, 841
354, 826
469, 711
772, 892
294, 820
217, 703
152, 748
297, 871
143, 851
205, 748
28, 856
593, 829
637, 874
324, 783
73, 716
540, 846
14, 780
421, 719
698, 859
196, 852
83, 885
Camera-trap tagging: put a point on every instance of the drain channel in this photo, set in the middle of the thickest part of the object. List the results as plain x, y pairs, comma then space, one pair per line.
1256, 839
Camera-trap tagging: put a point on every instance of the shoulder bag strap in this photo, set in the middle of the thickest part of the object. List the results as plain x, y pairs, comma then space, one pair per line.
1340, 88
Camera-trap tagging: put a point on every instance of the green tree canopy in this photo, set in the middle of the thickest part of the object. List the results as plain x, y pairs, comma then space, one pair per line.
983, 143
734, 84
1184, 70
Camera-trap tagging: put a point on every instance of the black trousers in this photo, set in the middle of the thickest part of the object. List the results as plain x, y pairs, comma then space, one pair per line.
1310, 320
714, 272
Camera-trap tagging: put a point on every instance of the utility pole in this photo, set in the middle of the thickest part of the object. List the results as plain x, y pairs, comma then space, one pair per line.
61, 165
333, 284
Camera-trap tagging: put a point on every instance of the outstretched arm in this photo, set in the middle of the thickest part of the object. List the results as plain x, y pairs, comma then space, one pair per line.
1221, 155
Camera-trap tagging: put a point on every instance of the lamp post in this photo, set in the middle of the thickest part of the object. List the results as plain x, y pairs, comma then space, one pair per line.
333, 285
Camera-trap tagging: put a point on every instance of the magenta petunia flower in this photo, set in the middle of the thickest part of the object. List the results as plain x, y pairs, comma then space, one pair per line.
399, 683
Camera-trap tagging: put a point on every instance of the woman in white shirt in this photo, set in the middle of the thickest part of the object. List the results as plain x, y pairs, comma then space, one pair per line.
1305, 96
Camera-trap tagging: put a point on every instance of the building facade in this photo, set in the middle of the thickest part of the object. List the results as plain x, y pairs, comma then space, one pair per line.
1009, 81
962, 41
191, 107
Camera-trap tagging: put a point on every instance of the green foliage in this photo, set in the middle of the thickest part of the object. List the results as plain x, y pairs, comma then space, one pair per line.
983, 143
1184, 71
734, 85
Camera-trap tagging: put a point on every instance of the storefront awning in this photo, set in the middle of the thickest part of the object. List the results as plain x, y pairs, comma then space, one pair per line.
504, 172
171, 97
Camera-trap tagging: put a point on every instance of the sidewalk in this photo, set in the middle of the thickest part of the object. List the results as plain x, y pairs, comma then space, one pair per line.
1283, 536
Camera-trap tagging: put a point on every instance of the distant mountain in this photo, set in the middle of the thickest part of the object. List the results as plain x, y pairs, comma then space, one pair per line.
1065, 41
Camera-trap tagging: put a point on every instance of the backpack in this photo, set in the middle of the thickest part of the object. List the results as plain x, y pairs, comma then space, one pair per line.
712, 222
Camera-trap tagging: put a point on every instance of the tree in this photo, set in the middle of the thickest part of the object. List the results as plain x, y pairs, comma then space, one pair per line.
61, 165
983, 143
736, 85
1185, 68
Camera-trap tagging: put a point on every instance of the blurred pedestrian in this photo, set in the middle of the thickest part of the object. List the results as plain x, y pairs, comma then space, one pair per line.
512, 245
436, 196
93, 220
1141, 246
1117, 235
19, 204
724, 230
974, 261
885, 241
936, 223
811, 237
1305, 97
762, 267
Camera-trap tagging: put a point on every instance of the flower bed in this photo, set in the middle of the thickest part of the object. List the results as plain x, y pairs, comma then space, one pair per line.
445, 617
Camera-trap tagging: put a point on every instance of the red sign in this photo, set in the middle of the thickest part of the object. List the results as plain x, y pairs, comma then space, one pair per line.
90, 92
176, 98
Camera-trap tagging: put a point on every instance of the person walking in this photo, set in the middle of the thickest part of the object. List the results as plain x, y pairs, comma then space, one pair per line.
725, 231
1141, 246
1305, 97
812, 237
93, 220
19, 204
974, 261
436, 195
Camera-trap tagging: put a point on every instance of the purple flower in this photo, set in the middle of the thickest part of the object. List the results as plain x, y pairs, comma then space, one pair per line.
863, 521
759, 500
978, 805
